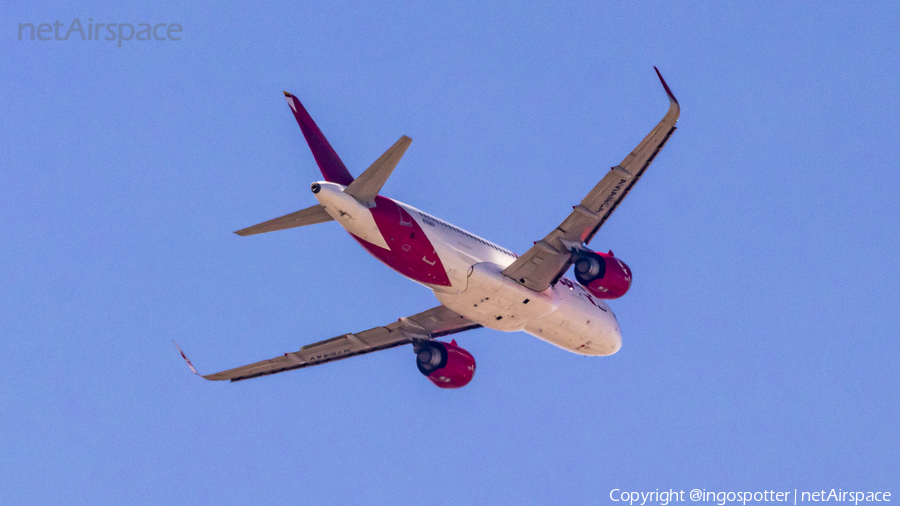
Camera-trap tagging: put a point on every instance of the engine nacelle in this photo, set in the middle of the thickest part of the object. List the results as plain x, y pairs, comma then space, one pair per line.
604, 275
446, 364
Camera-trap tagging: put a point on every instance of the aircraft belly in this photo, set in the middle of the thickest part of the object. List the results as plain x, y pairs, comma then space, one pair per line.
580, 325
563, 315
497, 302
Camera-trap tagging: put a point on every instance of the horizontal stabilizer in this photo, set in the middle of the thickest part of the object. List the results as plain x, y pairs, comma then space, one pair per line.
366, 187
308, 216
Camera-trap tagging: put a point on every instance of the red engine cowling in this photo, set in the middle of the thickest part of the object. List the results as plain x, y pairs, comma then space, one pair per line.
446, 364
604, 275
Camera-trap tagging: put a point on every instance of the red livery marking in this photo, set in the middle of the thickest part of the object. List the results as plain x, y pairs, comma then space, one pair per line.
411, 253
329, 162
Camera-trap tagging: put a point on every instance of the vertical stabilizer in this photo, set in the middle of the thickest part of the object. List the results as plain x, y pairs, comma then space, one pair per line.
329, 162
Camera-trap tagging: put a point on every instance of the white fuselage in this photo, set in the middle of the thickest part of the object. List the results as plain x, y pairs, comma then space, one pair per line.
564, 314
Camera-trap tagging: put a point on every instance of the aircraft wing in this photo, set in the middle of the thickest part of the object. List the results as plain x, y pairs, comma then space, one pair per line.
435, 322
549, 258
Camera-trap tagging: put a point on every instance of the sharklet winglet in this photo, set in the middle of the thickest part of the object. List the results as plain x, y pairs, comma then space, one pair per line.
193, 369
666, 86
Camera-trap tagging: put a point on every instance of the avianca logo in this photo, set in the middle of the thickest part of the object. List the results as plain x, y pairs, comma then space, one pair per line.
612, 195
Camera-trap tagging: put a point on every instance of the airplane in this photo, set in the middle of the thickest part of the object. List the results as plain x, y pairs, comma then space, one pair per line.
478, 283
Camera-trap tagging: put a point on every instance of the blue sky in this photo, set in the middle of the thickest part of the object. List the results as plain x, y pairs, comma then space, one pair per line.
760, 345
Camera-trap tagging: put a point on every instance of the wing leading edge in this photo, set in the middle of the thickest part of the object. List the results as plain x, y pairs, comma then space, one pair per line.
433, 323
549, 258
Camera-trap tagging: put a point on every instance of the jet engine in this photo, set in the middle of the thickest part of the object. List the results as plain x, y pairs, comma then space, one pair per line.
604, 275
445, 364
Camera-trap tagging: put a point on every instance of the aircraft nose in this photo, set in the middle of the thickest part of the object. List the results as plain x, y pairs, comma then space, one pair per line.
616, 339
614, 333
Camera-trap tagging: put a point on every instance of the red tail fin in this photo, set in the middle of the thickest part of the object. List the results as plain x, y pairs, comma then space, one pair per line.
329, 162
